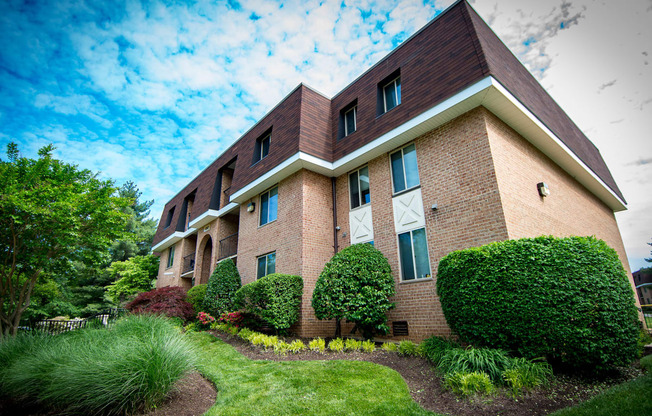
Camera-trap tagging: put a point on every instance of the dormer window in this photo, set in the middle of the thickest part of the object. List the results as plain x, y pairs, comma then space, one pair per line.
168, 219
262, 146
350, 120
392, 94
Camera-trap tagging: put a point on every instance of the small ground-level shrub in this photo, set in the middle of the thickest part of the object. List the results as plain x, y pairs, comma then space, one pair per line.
389, 346
475, 360
169, 301
124, 369
408, 348
468, 383
336, 345
246, 334
351, 344
296, 346
270, 341
435, 347
195, 297
318, 345
368, 346
204, 320
523, 375
281, 348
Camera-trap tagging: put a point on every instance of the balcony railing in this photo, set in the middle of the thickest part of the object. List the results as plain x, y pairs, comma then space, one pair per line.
188, 263
228, 246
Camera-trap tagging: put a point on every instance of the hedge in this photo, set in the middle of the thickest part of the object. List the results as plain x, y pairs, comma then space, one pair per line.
356, 285
566, 299
195, 297
222, 286
275, 298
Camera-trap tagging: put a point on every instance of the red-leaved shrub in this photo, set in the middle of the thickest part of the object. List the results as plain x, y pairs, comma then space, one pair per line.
169, 301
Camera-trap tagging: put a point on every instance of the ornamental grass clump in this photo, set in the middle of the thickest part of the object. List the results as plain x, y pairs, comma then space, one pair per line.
434, 348
389, 346
317, 345
128, 368
296, 346
480, 360
469, 383
409, 348
523, 375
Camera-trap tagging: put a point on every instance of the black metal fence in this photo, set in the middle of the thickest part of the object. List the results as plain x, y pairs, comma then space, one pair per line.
188, 263
55, 326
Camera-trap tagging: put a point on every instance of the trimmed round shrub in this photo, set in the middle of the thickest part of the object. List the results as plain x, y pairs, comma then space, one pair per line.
195, 296
169, 301
275, 298
222, 286
566, 299
356, 285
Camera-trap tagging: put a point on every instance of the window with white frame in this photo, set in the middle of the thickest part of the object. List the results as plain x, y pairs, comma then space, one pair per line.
413, 255
268, 206
262, 147
170, 257
359, 187
266, 265
392, 94
405, 172
350, 120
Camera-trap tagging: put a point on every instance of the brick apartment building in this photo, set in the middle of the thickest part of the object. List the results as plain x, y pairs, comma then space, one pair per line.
444, 144
643, 283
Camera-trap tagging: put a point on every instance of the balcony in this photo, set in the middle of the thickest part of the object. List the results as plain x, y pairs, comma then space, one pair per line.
228, 247
188, 266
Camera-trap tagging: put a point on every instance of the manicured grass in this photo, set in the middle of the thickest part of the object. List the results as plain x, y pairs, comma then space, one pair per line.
633, 398
247, 387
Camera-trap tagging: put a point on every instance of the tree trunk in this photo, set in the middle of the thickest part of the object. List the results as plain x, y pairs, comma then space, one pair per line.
338, 328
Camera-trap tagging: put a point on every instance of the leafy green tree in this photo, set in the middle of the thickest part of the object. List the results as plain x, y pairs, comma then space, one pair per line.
355, 285
140, 229
51, 213
132, 276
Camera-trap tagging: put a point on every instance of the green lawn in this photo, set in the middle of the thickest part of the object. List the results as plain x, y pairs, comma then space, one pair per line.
247, 387
633, 398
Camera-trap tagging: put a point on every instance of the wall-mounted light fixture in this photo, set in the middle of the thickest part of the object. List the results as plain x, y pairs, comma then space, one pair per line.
251, 207
543, 189
434, 207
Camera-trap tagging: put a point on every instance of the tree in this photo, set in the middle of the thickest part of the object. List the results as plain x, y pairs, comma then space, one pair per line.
140, 229
355, 285
132, 276
51, 214
649, 260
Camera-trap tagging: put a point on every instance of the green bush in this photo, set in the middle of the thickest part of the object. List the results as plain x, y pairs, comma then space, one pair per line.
356, 285
484, 360
468, 383
222, 287
408, 348
566, 299
275, 298
317, 345
368, 346
195, 296
389, 346
351, 344
336, 345
124, 369
523, 375
434, 348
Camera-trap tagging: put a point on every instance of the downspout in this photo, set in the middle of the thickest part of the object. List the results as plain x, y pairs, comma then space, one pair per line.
335, 246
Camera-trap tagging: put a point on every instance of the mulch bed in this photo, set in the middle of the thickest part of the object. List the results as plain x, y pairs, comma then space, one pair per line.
426, 386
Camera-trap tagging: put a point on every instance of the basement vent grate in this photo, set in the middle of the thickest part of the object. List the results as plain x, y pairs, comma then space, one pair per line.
400, 328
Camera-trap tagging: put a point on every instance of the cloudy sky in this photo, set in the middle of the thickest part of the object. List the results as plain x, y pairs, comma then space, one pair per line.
155, 91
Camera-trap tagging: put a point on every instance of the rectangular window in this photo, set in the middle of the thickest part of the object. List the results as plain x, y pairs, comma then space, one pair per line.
405, 173
170, 257
261, 148
268, 206
359, 187
350, 120
413, 254
266, 265
392, 94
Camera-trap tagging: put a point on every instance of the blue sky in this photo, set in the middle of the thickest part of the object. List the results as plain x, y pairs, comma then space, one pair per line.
155, 91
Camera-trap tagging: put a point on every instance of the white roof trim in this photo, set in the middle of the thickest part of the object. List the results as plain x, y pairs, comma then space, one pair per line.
173, 239
212, 214
487, 92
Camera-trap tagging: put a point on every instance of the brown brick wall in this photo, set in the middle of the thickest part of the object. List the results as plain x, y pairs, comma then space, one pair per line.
570, 209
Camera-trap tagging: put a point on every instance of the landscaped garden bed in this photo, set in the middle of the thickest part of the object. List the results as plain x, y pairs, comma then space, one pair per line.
427, 388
